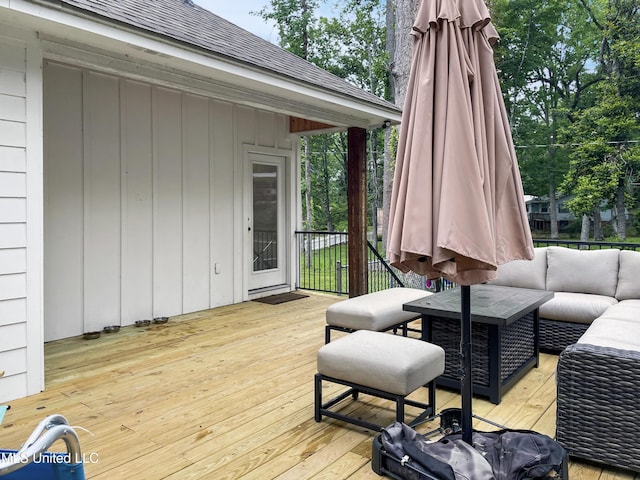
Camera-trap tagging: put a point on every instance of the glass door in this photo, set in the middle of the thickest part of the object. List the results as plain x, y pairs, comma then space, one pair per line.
267, 222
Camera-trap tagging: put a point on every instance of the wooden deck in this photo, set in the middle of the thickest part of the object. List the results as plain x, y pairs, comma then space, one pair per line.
228, 394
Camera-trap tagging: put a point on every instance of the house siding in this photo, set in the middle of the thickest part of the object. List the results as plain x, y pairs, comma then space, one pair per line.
143, 185
13, 220
124, 168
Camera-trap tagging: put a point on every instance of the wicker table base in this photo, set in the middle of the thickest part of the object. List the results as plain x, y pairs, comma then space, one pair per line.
500, 355
505, 341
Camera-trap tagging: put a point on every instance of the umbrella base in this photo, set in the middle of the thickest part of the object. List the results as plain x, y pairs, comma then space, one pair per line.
426, 458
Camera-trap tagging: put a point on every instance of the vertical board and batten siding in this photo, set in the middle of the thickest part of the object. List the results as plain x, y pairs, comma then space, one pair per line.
223, 220
102, 203
13, 218
143, 206
167, 201
137, 199
63, 204
196, 203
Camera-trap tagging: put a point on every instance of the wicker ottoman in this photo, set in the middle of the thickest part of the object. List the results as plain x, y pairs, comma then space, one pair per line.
377, 311
378, 364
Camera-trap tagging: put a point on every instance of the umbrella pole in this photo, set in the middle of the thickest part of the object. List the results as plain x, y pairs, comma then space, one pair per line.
466, 386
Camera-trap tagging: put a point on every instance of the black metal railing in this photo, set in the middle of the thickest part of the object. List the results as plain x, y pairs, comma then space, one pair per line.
585, 245
323, 263
322, 259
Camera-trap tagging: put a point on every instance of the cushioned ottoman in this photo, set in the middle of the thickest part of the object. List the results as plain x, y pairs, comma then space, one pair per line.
378, 364
377, 311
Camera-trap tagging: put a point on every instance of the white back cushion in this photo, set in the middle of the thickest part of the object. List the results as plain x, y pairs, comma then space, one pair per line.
524, 273
628, 276
582, 271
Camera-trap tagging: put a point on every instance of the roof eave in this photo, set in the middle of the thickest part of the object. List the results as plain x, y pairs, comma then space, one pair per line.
271, 91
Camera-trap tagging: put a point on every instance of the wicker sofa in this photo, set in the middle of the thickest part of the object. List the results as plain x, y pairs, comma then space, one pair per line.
586, 283
598, 387
594, 319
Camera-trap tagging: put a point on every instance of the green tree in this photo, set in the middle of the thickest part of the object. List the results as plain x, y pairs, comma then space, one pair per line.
365, 64
295, 21
543, 58
606, 132
296, 25
350, 45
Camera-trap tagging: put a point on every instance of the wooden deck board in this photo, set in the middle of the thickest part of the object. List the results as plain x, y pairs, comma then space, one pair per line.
228, 394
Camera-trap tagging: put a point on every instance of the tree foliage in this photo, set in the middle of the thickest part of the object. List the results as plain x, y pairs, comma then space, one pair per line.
605, 154
296, 22
351, 45
570, 75
544, 55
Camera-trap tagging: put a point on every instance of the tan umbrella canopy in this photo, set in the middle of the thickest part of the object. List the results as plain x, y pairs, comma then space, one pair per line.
457, 207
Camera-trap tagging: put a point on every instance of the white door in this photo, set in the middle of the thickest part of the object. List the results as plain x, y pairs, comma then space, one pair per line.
267, 222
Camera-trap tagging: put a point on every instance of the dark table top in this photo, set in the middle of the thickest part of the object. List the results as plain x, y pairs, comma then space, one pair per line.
491, 304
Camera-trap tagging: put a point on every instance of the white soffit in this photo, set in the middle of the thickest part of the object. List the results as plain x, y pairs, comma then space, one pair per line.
99, 44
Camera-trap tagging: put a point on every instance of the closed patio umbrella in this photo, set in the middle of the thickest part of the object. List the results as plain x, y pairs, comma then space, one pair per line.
457, 207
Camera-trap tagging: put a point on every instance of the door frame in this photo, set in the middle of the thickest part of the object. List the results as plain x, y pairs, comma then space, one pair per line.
288, 220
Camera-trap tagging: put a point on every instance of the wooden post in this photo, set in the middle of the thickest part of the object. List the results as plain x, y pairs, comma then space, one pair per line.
357, 210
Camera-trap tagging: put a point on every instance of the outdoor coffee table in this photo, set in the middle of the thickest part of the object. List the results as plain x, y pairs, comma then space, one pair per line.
505, 334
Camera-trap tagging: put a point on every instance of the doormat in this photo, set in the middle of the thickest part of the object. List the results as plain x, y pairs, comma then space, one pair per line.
281, 298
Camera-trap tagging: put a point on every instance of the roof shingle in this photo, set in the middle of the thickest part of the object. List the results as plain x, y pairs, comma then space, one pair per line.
186, 22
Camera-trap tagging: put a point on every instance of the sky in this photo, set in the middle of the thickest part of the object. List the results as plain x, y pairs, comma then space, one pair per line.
237, 11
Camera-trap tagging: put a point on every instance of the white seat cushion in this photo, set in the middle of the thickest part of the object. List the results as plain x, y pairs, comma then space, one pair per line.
391, 363
374, 311
576, 307
625, 310
613, 333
